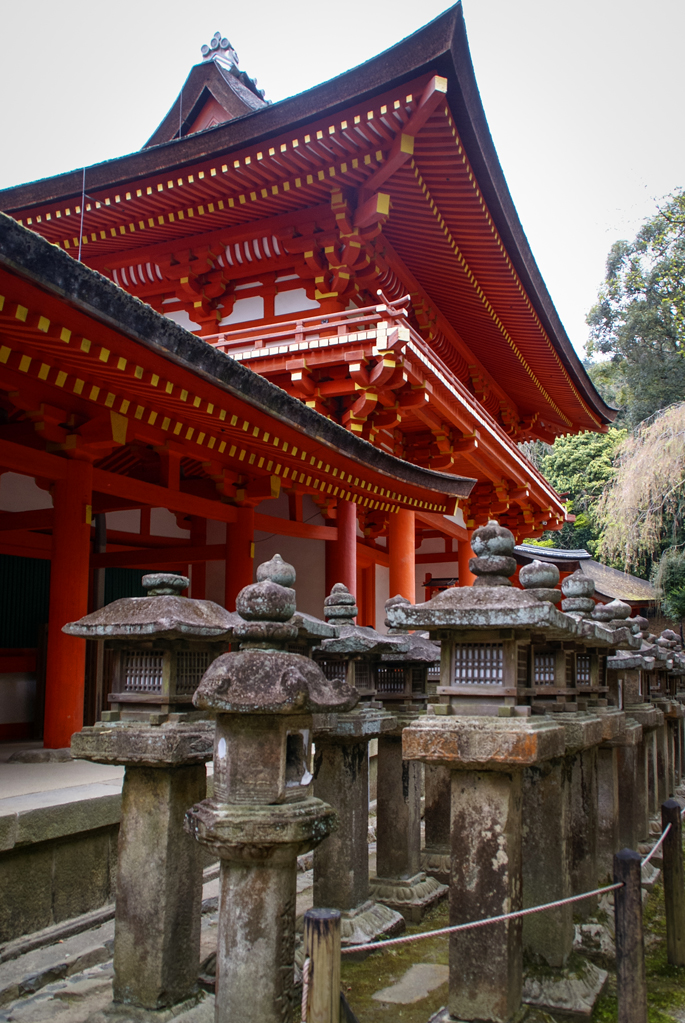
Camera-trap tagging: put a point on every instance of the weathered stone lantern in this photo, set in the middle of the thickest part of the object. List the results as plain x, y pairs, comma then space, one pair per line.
341, 777
162, 644
262, 814
501, 759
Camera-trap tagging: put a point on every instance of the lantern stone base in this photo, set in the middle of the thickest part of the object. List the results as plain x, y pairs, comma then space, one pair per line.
437, 863
569, 994
369, 922
411, 896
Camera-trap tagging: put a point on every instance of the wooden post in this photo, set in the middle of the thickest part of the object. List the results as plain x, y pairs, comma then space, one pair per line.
341, 554
322, 947
464, 554
239, 554
402, 551
66, 660
674, 882
630, 946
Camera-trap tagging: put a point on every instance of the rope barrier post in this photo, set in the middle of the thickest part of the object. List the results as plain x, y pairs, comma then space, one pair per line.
630, 945
674, 882
322, 947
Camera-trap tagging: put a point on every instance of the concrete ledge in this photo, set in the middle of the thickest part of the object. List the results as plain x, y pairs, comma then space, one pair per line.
43, 816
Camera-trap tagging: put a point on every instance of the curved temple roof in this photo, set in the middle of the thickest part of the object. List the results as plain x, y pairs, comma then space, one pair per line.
453, 231
26, 254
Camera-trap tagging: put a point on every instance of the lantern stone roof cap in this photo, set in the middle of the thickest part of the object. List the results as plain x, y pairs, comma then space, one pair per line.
161, 615
274, 682
421, 650
362, 639
483, 607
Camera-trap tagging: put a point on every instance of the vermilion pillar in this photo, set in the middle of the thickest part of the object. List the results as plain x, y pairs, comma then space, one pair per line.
66, 660
198, 537
239, 554
402, 551
341, 554
464, 553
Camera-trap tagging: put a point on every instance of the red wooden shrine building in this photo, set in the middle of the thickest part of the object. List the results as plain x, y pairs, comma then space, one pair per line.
357, 247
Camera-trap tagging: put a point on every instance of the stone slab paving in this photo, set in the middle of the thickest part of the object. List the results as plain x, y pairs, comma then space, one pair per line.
415, 984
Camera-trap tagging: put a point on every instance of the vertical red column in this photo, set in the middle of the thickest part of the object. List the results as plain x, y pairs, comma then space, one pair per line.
66, 659
402, 551
198, 538
464, 553
239, 554
341, 554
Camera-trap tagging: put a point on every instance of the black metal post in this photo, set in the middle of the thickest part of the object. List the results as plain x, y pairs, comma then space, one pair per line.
630, 946
674, 882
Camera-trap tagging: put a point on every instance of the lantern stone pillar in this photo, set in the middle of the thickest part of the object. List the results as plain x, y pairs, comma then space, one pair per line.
400, 883
435, 855
262, 814
486, 756
161, 643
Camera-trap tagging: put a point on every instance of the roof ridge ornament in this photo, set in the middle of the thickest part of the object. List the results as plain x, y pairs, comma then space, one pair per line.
220, 47
222, 52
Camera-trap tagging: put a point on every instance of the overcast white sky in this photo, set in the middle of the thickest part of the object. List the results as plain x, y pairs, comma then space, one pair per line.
584, 100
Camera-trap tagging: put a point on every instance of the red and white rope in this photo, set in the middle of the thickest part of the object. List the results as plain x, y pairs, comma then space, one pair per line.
373, 945
305, 987
657, 845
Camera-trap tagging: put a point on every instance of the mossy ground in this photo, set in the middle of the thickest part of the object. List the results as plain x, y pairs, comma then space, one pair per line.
381, 969
665, 983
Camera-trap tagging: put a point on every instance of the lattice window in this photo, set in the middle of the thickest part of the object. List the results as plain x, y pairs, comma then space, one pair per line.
522, 666
143, 671
389, 679
190, 667
418, 680
583, 670
434, 672
334, 670
478, 664
363, 676
602, 669
543, 671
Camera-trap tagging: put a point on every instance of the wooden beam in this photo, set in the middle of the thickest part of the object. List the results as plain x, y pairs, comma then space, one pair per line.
39, 518
31, 462
443, 525
159, 556
286, 527
160, 497
438, 558
367, 555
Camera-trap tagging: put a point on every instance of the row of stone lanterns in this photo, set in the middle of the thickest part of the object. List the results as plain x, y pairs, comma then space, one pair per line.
531, 766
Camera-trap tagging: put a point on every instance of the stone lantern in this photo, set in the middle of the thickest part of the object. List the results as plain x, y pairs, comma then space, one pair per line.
341, 775
262, 814
505, 766
162, 645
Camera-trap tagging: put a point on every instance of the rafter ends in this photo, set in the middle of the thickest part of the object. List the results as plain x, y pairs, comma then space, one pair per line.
372, 210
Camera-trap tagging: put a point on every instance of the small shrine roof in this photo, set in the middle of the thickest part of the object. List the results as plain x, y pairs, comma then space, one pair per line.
609, 582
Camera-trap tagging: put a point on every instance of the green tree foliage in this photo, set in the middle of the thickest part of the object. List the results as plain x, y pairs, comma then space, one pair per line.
639, 318
579, 468
669, 579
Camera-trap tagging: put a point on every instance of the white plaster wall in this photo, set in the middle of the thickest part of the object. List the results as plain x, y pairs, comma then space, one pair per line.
382, 594
163, 523
127, 520
308, 559
17, 697
20, 493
